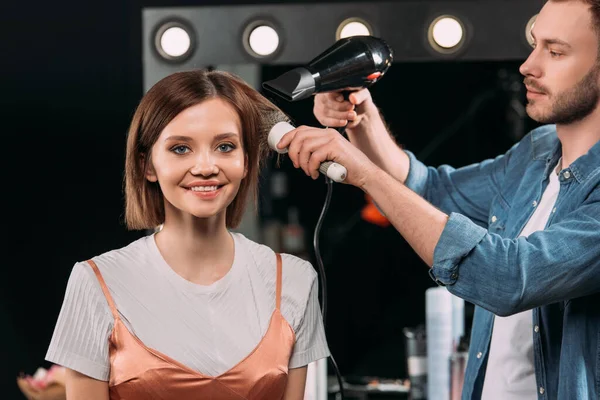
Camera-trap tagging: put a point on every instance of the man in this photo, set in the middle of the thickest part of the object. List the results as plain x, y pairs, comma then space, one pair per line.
519, 235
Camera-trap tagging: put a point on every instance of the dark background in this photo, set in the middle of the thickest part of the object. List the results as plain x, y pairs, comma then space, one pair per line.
71, 76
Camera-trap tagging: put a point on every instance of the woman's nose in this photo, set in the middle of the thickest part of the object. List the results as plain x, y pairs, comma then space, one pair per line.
204, 165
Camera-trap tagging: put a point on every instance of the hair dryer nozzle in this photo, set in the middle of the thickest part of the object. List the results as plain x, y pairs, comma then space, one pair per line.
296, 84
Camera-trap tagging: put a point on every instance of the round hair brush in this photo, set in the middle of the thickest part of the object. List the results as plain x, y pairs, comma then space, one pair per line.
277, 124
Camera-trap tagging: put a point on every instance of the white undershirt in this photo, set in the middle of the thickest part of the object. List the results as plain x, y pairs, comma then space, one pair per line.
510, 372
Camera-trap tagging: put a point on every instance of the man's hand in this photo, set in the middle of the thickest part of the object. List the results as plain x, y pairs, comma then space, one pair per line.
419, 222
332, 110
308, 147
365, 129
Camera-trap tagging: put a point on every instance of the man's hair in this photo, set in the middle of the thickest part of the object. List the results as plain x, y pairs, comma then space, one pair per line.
144, 202
594, 9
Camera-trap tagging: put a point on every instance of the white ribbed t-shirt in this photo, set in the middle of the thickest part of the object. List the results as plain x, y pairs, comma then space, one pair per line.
510, 372
207, 328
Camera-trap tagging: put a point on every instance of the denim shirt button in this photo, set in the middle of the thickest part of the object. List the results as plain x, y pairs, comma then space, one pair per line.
494, 219
534, 203
567, 174
479, 354
454, 275
542, 390
436, 280
536, 329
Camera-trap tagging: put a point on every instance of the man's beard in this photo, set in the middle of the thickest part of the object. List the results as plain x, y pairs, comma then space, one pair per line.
573, 104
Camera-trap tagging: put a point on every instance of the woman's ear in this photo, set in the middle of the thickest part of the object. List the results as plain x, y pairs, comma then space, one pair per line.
245, 165
148, 169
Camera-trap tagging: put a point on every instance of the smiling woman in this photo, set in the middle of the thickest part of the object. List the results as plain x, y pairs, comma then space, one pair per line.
193, 310
191, 159
191, 107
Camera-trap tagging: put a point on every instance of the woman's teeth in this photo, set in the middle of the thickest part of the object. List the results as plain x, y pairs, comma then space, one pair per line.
204, 188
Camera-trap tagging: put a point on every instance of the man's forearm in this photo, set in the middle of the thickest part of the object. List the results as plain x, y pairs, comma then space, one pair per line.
373, 139
419, 222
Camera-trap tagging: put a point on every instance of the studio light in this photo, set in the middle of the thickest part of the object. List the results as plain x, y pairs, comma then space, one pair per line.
261, 39
353, 27
174, 41
278, 34
528, 30
446, 34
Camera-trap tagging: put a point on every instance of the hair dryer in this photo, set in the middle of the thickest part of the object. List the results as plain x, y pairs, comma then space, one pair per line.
350, 64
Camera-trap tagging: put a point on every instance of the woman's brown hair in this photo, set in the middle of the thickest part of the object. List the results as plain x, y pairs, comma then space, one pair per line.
144, 203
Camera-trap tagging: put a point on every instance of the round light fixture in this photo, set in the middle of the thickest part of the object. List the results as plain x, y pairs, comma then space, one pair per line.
261, 39
353, 27
174, 41
528, 30
446, 34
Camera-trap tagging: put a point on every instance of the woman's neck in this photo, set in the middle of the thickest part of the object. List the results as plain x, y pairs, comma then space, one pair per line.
199, 250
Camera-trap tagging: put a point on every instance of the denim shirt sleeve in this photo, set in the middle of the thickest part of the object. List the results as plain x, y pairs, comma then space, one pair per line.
507, 276
468, 190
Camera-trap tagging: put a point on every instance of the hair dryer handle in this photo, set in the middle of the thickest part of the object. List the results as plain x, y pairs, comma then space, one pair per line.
336, 172
342, 129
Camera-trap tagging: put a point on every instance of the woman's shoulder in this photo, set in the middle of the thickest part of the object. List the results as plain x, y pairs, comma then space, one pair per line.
299, 278
131, 253
112, 263
295, 270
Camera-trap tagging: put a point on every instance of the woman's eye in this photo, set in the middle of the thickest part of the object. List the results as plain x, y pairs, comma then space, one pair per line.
180, 149
226, 147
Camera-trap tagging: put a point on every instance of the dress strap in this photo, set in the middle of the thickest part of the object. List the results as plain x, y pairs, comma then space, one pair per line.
109, 298
278, 287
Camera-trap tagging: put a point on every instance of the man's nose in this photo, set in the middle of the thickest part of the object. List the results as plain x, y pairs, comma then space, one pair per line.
531, 66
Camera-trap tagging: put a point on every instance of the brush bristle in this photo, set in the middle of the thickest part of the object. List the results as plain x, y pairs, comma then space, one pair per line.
269, 118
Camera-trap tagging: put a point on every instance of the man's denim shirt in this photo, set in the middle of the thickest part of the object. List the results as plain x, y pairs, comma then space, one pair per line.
555, 272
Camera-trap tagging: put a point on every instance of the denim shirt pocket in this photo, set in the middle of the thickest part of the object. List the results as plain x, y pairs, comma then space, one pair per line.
498, 215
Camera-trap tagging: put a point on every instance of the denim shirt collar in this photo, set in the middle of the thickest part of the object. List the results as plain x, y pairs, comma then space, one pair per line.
548, 147
587, 165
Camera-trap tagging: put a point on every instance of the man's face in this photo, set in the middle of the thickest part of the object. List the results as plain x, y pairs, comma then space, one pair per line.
562, 74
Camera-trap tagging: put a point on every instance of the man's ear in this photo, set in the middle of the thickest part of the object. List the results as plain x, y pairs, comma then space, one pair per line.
148, 168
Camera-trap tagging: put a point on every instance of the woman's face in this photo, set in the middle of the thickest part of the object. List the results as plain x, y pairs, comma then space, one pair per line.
198, 160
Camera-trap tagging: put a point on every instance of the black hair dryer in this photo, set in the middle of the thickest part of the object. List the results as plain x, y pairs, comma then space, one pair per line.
350, 64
